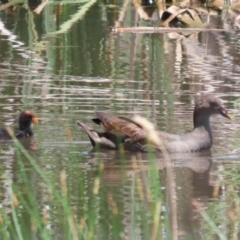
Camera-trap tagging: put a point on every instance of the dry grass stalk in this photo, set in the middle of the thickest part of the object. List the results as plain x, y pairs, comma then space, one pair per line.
154, 139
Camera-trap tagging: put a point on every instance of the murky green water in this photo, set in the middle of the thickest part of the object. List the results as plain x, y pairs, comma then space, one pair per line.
67, 76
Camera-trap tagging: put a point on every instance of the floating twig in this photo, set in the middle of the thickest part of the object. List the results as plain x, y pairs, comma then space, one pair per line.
164, 29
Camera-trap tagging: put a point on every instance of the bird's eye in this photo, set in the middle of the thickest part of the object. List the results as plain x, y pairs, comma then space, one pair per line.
215, 106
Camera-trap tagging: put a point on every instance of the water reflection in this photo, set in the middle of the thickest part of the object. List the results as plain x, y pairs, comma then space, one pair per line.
125, 181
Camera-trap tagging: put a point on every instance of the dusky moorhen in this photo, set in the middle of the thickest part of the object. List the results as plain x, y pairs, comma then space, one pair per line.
123, 131
24, 126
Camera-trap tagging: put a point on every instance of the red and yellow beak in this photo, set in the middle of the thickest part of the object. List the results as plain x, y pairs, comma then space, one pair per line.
34, 120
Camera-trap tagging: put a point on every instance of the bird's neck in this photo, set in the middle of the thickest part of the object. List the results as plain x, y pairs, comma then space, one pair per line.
201, 121
202, 124
26, 129
202, 132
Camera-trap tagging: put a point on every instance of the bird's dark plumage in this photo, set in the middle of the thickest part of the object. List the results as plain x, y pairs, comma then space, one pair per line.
24, 126
132, 136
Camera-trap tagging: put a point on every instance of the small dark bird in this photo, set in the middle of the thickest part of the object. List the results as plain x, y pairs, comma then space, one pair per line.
24, 126
121, 131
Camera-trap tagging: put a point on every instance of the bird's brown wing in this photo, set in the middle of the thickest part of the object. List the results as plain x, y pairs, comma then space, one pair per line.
123, 126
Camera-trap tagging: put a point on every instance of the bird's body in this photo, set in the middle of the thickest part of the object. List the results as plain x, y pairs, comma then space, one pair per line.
132, 136
24, 126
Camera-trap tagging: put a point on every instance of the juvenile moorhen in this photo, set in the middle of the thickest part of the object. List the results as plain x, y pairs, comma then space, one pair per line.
123, 131
24, 126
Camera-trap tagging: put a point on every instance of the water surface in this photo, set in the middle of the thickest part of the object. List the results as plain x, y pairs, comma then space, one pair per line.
67, 76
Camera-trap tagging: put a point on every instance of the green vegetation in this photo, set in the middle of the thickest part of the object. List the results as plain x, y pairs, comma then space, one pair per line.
88, 205
97, 214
